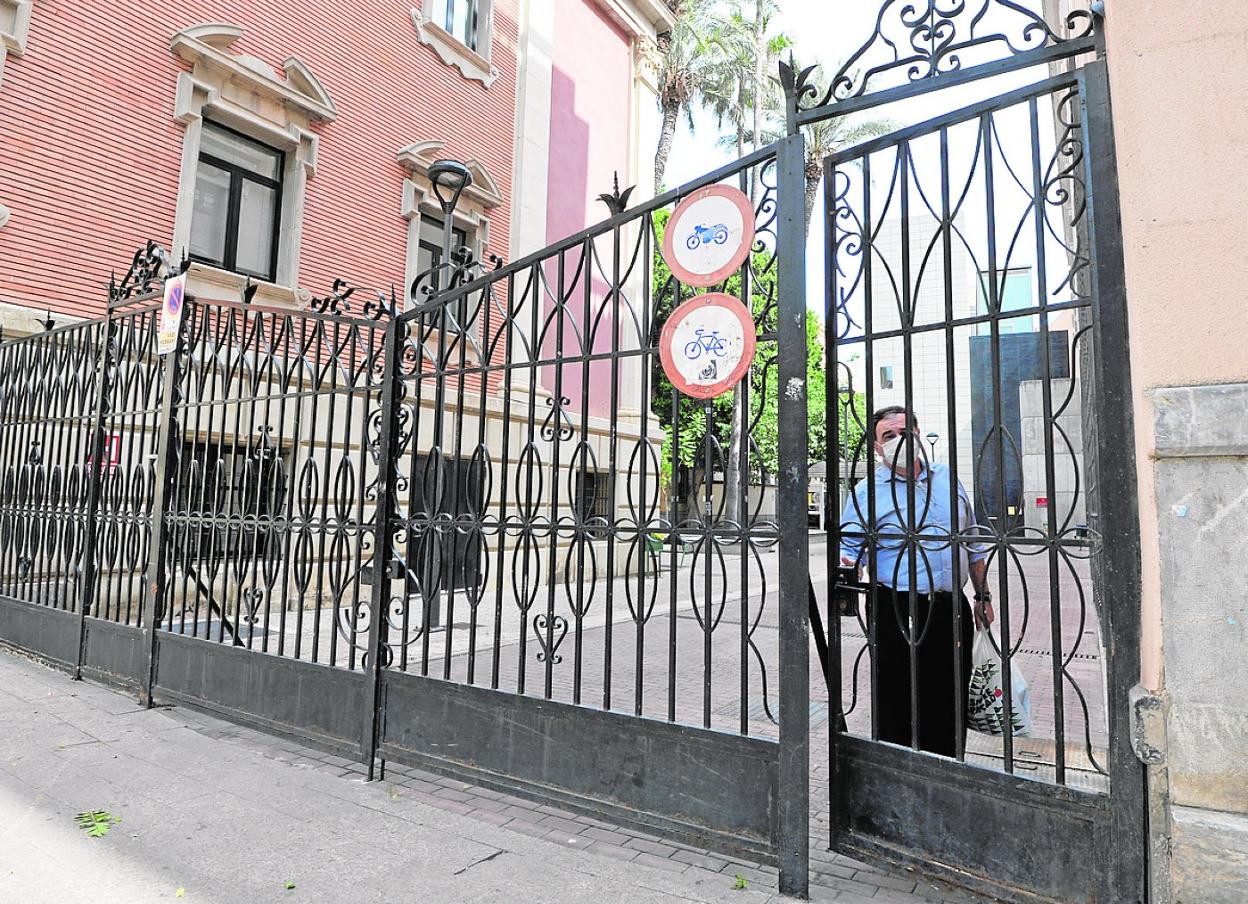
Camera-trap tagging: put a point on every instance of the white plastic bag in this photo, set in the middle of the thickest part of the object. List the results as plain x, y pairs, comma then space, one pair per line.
985, 709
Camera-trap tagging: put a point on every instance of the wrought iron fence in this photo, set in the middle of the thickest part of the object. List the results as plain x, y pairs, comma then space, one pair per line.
533, 469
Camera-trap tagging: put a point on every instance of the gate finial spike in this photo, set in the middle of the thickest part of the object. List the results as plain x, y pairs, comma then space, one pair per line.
616, 201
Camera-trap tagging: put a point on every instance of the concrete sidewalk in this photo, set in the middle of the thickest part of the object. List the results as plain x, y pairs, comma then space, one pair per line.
211, 812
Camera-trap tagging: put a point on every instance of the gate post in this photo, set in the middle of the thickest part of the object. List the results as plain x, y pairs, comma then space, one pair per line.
383, 550
88, 586
792, 839
166, 467
1119, 504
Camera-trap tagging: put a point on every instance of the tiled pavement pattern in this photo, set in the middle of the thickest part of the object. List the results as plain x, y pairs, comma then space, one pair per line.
231, 812
833, 876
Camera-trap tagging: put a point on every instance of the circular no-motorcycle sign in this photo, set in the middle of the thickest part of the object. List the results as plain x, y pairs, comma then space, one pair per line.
709, 235
707, 345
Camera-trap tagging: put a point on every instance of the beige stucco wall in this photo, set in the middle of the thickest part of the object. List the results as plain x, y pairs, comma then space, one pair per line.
1179, 84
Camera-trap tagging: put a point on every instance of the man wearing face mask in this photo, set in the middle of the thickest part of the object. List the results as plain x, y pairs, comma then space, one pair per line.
912, 498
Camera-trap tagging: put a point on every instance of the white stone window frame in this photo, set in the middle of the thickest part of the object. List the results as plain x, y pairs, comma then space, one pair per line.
470, 215
14, 28
245, 94
473, 64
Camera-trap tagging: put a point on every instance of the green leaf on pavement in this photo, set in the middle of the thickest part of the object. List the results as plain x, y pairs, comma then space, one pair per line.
289, 885
95, 823
180, 893
739, 883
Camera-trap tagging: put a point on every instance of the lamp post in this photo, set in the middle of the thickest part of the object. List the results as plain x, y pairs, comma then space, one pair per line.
449, 178
932, 439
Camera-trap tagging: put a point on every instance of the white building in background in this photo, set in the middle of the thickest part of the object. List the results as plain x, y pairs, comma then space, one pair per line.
930, 371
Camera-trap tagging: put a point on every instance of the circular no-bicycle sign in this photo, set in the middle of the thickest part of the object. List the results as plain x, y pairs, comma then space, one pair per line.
707, 345
709, 235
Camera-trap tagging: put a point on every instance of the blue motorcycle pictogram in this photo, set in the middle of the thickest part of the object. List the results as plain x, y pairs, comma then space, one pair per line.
706, 235
709, 343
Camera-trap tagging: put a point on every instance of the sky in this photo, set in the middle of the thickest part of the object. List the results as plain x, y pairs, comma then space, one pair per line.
829, 31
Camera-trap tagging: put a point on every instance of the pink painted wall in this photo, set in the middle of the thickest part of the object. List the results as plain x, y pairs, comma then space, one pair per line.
590, 129
90, 153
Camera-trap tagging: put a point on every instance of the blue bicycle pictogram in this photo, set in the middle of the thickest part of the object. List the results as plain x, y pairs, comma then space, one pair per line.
711, 344
706, 235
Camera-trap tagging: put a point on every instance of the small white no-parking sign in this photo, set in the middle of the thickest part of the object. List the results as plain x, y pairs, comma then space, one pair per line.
170, 314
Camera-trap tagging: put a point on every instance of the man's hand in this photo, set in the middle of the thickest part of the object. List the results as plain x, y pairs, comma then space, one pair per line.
984, 616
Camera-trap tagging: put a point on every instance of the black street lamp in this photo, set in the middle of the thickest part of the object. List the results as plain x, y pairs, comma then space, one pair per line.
932, 439
449, 179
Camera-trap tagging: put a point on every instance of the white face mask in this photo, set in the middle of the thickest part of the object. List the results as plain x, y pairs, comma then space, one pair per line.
901, 459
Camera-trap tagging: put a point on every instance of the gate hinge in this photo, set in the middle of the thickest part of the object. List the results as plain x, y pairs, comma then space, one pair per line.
1148, 725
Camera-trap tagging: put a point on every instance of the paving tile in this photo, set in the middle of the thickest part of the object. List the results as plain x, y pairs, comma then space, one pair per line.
753, 875
494, 819
453, 794
860, 888
569, 841
521, 813
695, 858
571, 827
488, 803
452, 806
531, 829
607, 836
645, 859
614, 851
651, 847
884, 880
834, 870
419, 784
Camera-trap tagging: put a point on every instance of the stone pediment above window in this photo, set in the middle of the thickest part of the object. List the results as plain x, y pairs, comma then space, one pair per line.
208, 47
416, 159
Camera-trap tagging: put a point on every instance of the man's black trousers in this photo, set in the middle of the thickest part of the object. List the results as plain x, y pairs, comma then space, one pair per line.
937, 683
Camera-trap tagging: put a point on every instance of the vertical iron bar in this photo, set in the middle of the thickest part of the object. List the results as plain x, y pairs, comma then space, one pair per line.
1048, 426
87, 587
1002, 527
384, 554
910, 527
832, 507
792, 842
166, 462
955, 494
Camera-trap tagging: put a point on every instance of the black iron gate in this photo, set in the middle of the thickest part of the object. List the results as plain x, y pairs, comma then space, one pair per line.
975, 315
438, 533
452, 532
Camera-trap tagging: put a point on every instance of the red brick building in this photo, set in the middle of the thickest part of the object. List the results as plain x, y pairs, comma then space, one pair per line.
288, 143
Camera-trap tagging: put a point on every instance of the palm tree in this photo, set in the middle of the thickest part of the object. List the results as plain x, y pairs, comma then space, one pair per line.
690, 56
829, 136
742, 93
823, 138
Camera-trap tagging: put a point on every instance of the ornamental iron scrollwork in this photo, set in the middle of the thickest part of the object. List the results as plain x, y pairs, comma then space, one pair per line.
149, 268
337, 301
918, 40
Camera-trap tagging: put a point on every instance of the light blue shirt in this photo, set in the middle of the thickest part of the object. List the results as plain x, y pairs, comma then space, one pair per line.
933, 559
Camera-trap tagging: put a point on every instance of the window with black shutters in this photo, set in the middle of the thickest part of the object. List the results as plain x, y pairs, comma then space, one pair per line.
238, 200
